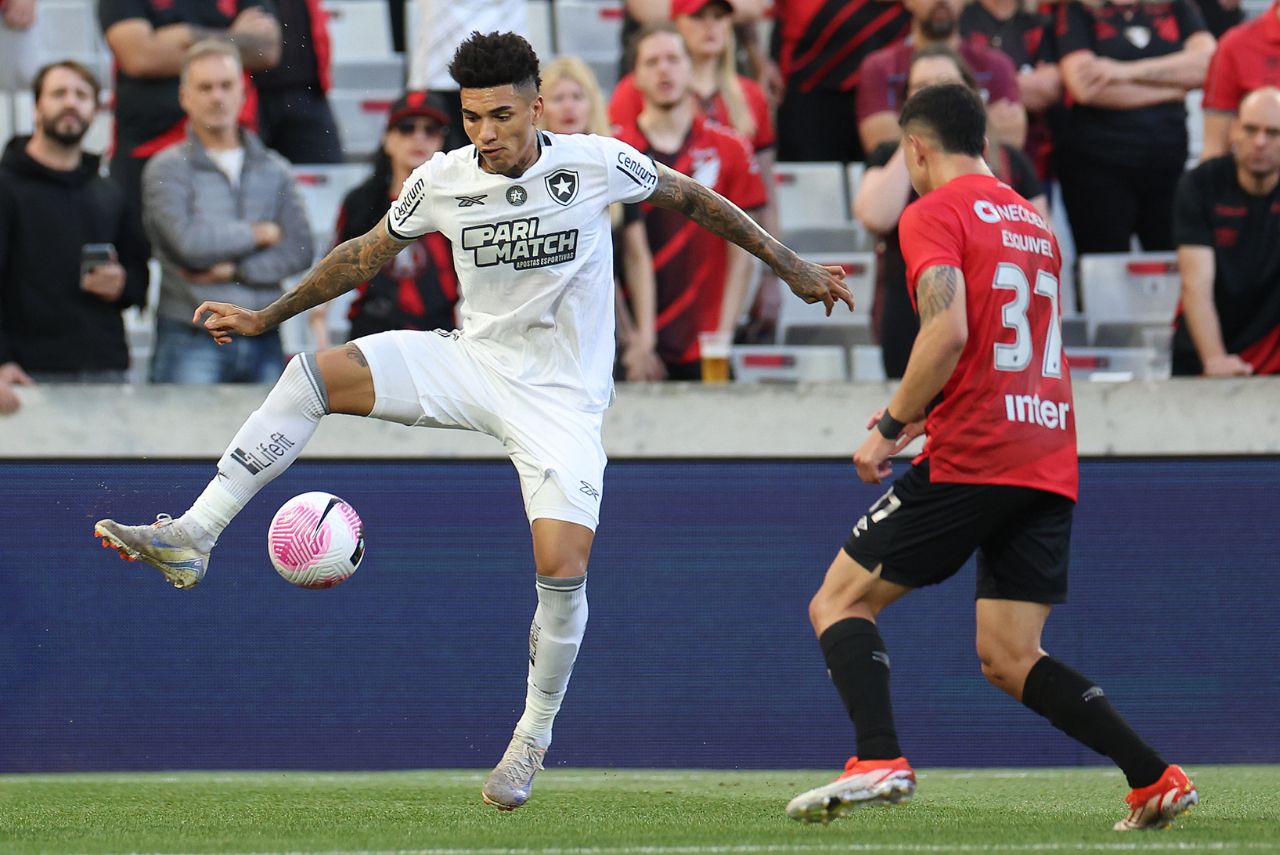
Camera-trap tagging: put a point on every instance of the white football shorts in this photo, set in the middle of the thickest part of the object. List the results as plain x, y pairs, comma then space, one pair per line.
434, 379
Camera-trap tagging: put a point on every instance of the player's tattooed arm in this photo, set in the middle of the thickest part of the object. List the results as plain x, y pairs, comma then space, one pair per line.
811, 282
944, 332
347, 265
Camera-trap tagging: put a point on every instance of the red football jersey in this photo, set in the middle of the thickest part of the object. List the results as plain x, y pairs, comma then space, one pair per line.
1006, 415
689, 262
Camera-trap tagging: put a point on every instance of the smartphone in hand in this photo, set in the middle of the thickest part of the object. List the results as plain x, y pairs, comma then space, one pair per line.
95, 255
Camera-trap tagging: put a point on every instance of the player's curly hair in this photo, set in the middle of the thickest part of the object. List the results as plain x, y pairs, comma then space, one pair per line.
485, 60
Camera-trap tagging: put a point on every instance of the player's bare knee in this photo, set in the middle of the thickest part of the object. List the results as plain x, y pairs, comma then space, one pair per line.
347, 379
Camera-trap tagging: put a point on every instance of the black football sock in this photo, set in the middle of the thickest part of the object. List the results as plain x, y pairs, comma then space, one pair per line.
859, 666
1077, 707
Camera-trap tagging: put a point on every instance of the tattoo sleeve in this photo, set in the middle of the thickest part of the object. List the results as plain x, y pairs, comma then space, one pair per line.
346, 266
936, 290
718, 215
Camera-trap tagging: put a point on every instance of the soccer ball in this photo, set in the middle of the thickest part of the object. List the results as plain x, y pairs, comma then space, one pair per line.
316, 540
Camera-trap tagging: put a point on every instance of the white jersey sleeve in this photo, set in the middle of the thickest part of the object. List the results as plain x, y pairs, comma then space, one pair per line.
632, 175
410, 215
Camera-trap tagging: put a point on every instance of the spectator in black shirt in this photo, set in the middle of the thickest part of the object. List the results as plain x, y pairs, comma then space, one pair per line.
886, 191
1227, 225
148, 41
1026, 37
60, 305
1127, 66
294, 116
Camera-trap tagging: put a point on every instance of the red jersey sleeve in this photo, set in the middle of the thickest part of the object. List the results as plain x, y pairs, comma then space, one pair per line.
873, 89
741, 179
626, 103
764, 136
1222, 89
929, 234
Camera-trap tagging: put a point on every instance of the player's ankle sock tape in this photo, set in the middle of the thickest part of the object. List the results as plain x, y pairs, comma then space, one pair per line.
1078, 708
554, 639
270, 439
859, 668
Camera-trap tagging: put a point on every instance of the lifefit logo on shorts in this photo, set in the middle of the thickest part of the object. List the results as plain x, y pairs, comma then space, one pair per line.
409, 202
517, 196
589, 490
563, 185
468, 201
264, 455
517, 242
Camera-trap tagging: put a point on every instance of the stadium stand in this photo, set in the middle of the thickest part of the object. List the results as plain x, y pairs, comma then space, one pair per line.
813, 207
322, 187
361, 114
808, 323
363, 59
592, 31
1126, 294
6, 116
69, 30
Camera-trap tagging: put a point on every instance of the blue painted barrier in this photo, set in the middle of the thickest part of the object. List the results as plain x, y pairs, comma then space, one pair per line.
698, 653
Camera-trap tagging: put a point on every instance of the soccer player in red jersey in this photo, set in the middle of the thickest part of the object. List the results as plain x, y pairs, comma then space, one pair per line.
988, 385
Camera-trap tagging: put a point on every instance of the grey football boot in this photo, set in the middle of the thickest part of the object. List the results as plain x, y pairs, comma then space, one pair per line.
511, 781
163, 544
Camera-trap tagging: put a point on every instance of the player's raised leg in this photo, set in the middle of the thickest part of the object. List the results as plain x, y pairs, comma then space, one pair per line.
843, 614
1014, 662
561, 550
312, 385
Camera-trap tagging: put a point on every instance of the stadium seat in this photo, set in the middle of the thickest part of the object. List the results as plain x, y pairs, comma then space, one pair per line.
322, 187
100, 133
789, 364
140, 328
361, 115
23, 112
1195, 126
69, 29
540, 33
592, 31
807, 323
811, 195
1127, 294
6, 117
359, 30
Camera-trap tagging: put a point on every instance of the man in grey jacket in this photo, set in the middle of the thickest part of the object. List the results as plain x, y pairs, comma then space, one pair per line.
226, 224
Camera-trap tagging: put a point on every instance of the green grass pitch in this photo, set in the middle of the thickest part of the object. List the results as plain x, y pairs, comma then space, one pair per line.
610, 812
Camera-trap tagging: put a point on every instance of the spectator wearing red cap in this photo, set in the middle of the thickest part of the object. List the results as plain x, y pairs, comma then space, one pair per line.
416, 290
1247, 59
701, 279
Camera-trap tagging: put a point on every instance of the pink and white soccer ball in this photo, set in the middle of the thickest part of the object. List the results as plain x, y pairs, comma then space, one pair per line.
316, 540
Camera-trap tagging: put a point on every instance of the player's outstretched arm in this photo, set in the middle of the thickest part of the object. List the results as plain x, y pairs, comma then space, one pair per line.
346, 266
944, 332
812, 283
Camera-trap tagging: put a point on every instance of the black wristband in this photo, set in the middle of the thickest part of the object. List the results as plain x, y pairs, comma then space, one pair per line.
889, 427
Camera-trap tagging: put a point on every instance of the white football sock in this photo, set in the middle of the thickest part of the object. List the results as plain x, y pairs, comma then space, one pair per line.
554, 638
270, 439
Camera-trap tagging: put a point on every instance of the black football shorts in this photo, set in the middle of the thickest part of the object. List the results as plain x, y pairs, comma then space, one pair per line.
920, 533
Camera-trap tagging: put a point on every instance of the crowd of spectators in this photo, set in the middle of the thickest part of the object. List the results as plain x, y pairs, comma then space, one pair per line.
214, 99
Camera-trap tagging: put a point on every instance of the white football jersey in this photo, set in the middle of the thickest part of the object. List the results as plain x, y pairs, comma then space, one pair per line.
534, 255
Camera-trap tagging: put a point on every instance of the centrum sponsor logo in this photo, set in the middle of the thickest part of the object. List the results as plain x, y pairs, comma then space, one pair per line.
639, 171
518, 243
1031, 409
264, 455
408, 203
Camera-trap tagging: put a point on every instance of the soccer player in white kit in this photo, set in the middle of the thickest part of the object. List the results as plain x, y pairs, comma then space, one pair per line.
526, 212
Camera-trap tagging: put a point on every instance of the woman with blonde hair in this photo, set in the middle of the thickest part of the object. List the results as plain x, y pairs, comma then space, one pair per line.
573, 104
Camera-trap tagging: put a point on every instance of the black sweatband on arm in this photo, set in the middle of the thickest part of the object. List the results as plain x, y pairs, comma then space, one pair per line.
889, 427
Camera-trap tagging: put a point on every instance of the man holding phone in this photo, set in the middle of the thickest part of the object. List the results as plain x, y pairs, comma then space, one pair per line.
70, 260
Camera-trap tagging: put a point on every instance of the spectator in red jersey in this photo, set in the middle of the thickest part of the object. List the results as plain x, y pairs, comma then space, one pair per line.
885, 192
1025, 35
884, 76
726, 97
701, 279
294, 116
574, 104
1127, 66
148, 41
989, 387
821, 46
1247, 59
1227, 225
416, 290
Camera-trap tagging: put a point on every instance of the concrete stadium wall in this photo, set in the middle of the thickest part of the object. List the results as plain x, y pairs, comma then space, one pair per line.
698, 653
